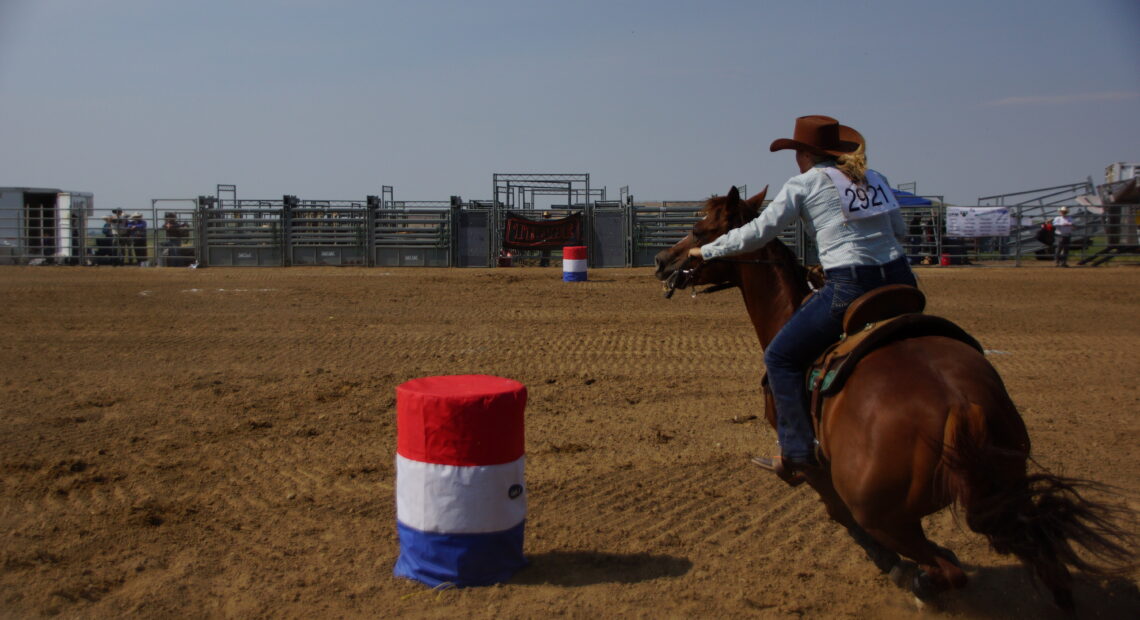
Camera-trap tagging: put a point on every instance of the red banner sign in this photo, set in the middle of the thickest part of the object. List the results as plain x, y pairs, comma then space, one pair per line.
526, 234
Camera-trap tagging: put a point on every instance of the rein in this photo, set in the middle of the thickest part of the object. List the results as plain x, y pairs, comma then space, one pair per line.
683, 276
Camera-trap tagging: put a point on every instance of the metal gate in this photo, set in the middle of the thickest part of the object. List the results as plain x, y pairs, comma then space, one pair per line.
656, 228
412, 237
328, 233
609, 237
175, 231
248, 236
474, 237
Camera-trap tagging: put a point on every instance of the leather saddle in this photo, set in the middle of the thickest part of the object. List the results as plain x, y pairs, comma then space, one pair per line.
882, 316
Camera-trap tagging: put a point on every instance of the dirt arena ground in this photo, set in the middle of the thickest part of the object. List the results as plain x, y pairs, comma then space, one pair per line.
220, 442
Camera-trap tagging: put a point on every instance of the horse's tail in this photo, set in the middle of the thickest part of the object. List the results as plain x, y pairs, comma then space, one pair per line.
1041, 518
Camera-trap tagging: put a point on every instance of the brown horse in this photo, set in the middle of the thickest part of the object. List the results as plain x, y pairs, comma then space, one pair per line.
921, 423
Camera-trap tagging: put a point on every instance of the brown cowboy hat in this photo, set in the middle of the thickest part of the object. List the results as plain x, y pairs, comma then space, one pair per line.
816, 134
849, 134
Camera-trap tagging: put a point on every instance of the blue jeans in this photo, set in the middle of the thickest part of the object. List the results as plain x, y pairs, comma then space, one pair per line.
813, 327
1061, 253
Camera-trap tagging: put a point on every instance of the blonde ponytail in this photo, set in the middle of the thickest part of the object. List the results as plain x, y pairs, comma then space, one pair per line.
854, 165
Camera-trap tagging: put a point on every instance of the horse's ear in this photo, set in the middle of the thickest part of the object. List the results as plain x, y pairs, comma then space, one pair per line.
733, 195
758, 200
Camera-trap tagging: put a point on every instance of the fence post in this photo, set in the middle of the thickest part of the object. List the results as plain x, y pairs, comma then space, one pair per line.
1086, 238
1017, 237
201, 243
939, 229
453, 235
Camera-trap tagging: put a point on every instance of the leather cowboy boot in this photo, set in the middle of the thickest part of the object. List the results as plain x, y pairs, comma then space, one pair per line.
792, 471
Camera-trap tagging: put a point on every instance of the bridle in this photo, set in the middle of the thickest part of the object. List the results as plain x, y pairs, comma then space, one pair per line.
684, 275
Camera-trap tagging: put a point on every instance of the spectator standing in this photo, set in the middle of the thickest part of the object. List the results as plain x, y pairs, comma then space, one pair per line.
1063, 235
119, 236
175, 230
1045, 234
544, 259
105, 246
176, 233
136, 236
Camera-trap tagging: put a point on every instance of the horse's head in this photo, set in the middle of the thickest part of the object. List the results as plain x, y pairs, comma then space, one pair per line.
721, 213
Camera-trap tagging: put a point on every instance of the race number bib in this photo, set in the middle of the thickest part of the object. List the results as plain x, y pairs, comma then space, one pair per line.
861, 201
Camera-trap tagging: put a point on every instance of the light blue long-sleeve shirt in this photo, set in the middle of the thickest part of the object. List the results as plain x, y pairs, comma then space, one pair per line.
812, 197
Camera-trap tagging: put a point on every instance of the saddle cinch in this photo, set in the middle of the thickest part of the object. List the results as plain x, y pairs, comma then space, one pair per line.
882, 316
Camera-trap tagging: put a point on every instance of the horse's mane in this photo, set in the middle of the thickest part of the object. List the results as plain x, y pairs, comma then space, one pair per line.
775, 251
791, 263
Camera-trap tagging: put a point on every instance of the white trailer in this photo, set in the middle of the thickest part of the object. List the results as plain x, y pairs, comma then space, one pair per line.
1120, 171
43, 225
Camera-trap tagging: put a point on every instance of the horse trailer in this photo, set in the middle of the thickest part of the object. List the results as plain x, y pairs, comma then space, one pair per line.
40, 226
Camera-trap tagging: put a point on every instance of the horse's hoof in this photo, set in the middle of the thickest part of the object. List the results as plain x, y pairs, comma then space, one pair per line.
901, 573
922, 586
950, 555
884, 560
1063, 598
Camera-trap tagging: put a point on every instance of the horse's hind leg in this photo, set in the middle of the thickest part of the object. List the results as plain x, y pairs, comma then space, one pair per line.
884, 559
938, 567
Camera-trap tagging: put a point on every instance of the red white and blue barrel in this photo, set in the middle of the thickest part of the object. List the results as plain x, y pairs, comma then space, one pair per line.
460, 494
574, 263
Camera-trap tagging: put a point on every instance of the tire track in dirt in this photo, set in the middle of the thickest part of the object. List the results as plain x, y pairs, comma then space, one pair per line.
286, 463
725, 502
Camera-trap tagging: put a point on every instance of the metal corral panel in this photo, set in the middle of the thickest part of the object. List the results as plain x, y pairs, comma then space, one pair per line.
250, 237
327, 233
11, 226
412, 238
411, 257
176, 257
610, 239
233, 256
474, 238
658, 228
326, 255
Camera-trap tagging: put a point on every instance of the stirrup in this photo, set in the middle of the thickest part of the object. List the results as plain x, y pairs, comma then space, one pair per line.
775, 464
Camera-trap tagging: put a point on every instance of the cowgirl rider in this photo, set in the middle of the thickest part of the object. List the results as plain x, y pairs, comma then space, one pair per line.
854, 218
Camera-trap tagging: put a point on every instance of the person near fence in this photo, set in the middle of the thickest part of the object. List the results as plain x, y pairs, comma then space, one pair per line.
136, 236
544, 259
855, 221
106, 247
175, 230
914, 239
1045, 235
118, 230
1063, 232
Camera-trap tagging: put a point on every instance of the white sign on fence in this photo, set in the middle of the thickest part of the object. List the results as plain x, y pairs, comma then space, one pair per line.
977, 221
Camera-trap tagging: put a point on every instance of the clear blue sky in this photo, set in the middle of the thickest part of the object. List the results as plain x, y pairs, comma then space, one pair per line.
331, 99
